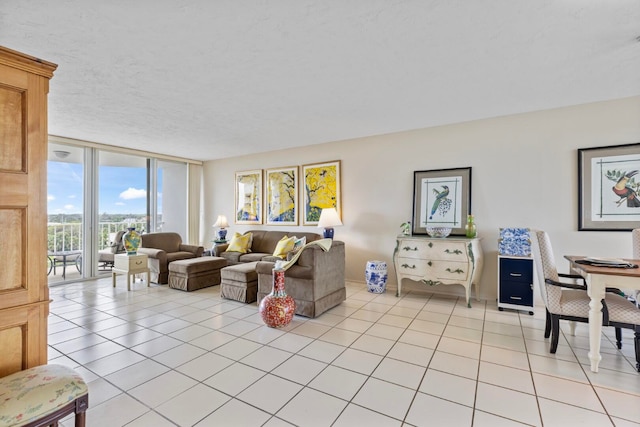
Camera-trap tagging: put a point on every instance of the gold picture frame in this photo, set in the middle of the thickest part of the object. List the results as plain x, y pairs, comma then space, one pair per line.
248, 200
321, 190
281, 196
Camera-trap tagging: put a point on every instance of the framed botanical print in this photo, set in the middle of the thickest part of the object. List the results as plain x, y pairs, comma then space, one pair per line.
249, 197
608, 187
321, 190
281, 196
441, 198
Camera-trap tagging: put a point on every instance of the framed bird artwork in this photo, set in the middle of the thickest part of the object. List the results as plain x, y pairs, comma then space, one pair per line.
609, 188
441, 198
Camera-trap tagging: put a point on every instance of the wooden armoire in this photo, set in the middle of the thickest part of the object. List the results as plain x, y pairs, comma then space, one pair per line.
24, 293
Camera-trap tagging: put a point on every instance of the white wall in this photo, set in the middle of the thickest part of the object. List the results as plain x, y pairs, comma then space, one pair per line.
524, 175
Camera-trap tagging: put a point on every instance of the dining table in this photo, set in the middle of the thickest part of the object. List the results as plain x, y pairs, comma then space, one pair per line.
598, 278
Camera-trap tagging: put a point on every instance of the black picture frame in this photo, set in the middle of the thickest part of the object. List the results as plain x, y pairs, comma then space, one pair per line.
427, 186
602, 206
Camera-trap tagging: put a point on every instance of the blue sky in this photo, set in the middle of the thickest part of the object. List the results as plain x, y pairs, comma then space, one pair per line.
122, 189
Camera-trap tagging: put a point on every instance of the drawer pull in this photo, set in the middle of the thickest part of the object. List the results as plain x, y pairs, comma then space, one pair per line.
430, 244
429, 263
455, 251
407, 248
516, 298
412, 267
515, 274
138, 262
457, 270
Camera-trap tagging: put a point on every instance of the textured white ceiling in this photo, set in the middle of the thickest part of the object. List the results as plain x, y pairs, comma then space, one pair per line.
207, 79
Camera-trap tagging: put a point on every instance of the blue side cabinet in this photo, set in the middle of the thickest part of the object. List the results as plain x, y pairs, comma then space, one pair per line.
515, 283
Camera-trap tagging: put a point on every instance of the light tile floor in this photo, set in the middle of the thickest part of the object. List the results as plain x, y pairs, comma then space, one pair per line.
162, 357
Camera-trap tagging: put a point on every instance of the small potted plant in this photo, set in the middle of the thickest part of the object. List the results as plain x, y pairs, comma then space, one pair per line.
406, 228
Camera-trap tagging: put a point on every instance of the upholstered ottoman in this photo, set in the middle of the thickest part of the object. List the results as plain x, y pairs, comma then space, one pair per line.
42, 396
195, 273
240, 282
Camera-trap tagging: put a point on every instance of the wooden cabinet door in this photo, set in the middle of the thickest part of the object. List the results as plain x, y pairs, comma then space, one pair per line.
24, 84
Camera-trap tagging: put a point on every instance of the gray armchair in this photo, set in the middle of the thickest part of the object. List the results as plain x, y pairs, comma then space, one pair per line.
163, 248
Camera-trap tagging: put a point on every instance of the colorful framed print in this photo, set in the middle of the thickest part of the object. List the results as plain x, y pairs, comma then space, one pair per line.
441, 198
281, 196
249, 197
321, 190
608, 187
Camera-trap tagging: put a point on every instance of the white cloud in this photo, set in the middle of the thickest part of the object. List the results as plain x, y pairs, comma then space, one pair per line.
133, 193
69, 207
120, 204
72, 196
50, 197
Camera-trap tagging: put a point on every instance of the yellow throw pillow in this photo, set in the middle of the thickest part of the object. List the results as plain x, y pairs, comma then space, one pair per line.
284, 246
240, 243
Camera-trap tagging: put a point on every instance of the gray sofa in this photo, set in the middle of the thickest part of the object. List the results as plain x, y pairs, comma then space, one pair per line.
316, 281
162, 248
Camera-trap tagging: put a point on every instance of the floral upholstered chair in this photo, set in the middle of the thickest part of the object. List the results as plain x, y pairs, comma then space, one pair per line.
42, 396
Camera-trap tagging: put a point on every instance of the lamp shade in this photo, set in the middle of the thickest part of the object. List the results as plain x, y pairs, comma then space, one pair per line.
221, 222
329, 218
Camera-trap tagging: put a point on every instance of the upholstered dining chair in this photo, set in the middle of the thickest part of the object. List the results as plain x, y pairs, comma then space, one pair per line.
568, 299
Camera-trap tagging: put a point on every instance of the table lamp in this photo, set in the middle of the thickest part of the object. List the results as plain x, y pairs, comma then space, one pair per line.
328, 219
223, 224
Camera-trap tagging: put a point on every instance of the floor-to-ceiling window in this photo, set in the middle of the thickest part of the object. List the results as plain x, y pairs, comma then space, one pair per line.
95, 193
122, 202
65, 192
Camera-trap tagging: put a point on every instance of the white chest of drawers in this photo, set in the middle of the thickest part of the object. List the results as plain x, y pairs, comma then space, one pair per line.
437, 261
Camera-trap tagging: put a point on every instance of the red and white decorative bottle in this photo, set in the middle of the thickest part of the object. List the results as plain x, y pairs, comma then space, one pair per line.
277, 308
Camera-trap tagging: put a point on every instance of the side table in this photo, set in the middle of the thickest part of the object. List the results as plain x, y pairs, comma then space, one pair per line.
215, 244
130, 265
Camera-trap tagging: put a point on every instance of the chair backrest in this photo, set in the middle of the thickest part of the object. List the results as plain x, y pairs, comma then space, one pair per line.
118, 244
167, 241
635, 243
546, 269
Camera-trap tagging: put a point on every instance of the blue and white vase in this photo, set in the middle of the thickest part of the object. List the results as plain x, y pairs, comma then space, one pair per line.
131, 241
376, 275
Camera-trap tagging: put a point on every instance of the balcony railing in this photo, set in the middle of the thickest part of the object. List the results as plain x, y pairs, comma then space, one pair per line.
68, 236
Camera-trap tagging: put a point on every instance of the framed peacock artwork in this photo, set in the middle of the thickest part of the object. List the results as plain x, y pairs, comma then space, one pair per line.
608, 188
441, 198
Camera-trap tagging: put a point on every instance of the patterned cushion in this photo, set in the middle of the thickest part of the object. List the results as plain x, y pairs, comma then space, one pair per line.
33, 393
573, 302
576, 303
622, 310
299, 244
